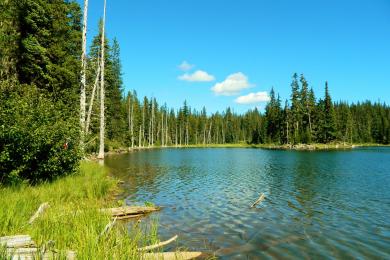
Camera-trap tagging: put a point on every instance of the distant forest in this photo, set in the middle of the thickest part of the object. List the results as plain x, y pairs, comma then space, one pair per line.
301, 119
40, 71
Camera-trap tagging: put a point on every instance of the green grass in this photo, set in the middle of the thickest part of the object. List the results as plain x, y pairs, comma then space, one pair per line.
73, 220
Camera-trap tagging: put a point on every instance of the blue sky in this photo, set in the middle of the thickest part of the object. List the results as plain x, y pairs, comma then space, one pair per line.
243, 48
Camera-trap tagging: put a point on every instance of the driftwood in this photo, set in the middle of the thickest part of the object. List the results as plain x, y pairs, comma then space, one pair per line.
35, 253
16, 241
40, 210
172, 255
108, 227
161, 244
260, 199
129, 211
23, 247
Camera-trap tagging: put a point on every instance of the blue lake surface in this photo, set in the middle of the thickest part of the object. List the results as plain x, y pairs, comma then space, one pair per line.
319, 205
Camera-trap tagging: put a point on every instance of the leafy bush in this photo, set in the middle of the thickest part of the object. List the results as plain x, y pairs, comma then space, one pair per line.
38, 137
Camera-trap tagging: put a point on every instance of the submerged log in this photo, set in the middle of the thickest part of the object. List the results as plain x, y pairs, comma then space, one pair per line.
172, 255
161, 244
40, 210
260, 199
129, 211
16, 241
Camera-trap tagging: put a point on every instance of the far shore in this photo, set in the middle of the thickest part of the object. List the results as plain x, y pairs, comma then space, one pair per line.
295, 147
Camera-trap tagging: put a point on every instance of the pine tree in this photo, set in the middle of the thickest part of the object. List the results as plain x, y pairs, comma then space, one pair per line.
296, 109
272, 114
329, 117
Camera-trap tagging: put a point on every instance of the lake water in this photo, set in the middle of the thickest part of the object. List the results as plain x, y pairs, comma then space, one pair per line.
328, 204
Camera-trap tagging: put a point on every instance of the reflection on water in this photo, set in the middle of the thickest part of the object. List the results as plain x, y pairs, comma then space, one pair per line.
319, 204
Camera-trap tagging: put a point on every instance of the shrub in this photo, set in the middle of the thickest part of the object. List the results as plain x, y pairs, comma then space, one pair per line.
38, 137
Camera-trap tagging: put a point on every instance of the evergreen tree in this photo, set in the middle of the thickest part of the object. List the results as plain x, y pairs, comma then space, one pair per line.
272, 114
296, 109
328, 127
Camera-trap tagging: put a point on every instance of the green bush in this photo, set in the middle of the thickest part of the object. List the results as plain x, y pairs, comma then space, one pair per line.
38, 137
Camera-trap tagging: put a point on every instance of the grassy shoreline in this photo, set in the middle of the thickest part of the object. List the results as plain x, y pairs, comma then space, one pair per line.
73, 220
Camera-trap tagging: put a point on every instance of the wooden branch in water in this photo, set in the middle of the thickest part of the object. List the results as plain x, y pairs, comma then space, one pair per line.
17, 241
172, 255
129, 211
260, 199
40, 210
161, 244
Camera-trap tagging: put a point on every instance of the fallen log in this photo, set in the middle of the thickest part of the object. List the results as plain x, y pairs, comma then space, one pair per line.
129, 211
172, 255
161, 244
108, 227
260, 199
16, 241
40, 210
35, 253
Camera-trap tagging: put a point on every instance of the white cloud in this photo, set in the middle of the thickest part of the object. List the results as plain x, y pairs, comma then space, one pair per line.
253, 98
185, 66
199, 76
232, 85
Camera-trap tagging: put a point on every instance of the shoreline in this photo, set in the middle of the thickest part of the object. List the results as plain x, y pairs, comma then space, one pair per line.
284, 147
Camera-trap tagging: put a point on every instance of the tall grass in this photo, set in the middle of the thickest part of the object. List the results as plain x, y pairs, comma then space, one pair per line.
73, 220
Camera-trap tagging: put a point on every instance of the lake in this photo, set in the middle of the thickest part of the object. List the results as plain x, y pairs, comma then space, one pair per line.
323, 204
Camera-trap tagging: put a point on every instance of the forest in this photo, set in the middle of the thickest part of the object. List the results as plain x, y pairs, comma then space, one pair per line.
40, 73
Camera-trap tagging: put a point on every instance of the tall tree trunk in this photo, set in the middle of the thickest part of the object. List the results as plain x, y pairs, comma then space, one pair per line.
132, 125
209, 137
95, 85
139, 136
102, 95
180, 135
162, 128
83, 78
223, 134
129, 114
176, 137
288, 141
152, 127
166, 129
143, 125
187, 135
204, 134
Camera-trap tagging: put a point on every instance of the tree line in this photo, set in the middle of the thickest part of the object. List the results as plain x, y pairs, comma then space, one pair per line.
301, 119
42, 123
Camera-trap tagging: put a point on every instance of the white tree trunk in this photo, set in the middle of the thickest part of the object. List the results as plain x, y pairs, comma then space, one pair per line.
176, 136
166, 129
102, 95
162, 129
92, 99
132, 125
139, 136
211, 124
83, 77
143, 125
152, 130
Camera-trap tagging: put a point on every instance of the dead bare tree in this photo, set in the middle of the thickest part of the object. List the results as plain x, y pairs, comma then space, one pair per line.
83, 77
95, 85
102, 95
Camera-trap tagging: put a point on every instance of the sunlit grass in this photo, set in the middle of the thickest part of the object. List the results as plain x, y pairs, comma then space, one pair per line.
73, 220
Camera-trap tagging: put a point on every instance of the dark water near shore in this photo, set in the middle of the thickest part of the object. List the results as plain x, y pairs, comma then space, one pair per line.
332, 204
